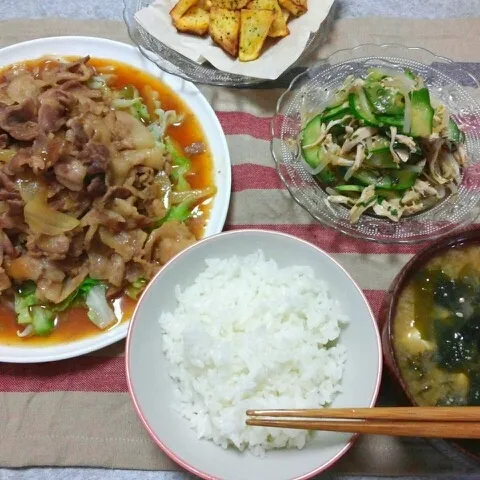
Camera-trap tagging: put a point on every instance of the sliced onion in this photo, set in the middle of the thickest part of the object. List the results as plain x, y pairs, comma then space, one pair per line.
404, 81
164, 186
122, 103
192, 195
43, 219
440, 191
31, 188
100, 312
98, 82
452, 187
28, 330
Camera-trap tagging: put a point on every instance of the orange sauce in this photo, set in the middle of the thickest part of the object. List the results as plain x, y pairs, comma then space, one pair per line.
74, 323
71, 325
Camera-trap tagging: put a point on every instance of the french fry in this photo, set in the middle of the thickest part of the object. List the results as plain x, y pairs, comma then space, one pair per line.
254, 27
180, 8
295, 9
225, 29
230, 4
195, 20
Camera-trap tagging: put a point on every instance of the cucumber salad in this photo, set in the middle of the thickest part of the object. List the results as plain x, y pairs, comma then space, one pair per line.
384, 146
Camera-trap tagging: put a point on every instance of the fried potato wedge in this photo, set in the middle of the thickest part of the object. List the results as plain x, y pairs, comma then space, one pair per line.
225, 29
285, 14
279, 27
294, 8
254, 28
230, 4
195, 20
301, 3
205, 4
181, 8
262, 4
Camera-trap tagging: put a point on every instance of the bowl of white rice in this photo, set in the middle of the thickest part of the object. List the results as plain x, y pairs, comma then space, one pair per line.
243, 320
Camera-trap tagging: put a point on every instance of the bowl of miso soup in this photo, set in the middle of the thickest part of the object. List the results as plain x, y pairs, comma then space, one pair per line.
431, 336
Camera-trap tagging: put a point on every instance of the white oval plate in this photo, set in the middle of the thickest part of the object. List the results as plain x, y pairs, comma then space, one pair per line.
101, 48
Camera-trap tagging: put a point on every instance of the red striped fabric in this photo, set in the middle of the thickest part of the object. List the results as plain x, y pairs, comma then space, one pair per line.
332, 241
250, 176
241, 123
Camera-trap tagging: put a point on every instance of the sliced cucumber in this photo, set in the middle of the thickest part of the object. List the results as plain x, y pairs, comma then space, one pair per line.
339, 98
361, 108
390, 180
403, 179
313, 155
374, 75
454, 133
389, 195
336, 102
408, 73
385, 100
391, 120
381, 159
349, 188
336, 113
326, 176
368, 177
379, 144
422, 113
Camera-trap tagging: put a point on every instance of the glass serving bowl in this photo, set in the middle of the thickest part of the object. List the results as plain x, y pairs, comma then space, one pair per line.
173, 62
308, 94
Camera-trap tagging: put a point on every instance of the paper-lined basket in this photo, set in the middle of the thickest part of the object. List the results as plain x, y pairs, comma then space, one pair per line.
199, 54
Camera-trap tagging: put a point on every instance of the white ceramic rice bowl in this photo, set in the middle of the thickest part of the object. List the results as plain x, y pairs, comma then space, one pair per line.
152, 389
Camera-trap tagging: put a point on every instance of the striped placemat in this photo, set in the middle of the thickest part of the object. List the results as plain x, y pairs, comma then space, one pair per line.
78, 413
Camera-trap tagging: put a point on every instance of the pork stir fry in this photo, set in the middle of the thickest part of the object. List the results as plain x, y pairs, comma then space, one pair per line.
384, 146
94, 194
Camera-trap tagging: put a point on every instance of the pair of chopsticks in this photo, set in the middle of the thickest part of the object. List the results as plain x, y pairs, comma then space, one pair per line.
428, 422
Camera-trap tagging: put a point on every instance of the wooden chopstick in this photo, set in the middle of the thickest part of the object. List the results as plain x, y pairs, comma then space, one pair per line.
469, 430
428, 422
424, 414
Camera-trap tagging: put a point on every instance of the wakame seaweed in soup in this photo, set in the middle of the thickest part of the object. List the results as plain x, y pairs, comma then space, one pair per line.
437, 330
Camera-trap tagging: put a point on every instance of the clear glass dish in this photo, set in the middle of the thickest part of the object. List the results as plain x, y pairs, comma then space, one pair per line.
308, 94
173, 62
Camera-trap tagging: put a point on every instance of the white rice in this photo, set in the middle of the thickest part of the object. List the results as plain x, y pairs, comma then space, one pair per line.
248, 334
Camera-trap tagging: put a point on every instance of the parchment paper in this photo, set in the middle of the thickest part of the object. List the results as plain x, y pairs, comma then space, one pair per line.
276, 57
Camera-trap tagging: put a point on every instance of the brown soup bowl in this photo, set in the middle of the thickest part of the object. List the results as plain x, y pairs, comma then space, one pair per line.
464, 451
